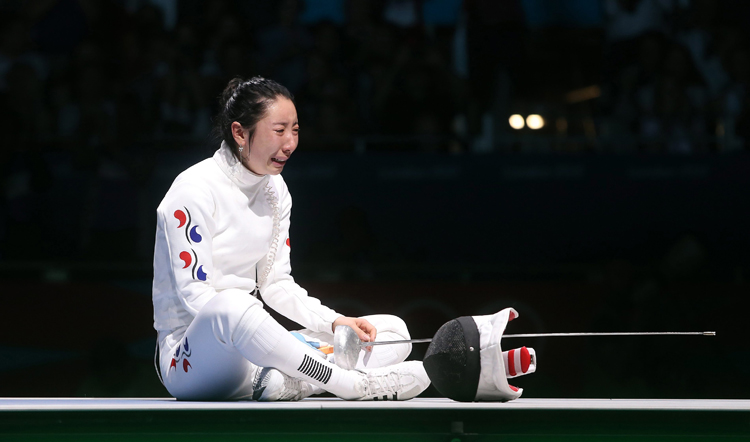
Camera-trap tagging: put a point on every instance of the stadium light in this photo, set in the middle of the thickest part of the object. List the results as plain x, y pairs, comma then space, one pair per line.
535, 121
516, 121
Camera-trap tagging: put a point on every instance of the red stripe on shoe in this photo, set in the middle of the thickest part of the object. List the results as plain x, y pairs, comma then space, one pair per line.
511, 317
511, 363
513, 388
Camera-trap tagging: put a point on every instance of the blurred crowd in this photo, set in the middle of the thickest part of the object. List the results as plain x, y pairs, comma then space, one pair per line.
678, 75
92, 91
87, 76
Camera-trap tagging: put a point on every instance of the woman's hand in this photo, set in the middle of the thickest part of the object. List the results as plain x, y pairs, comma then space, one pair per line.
366, 331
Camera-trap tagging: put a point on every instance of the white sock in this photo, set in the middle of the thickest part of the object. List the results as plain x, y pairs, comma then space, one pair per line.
264, 342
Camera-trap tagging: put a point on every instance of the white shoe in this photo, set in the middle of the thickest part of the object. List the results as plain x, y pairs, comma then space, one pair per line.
270, 384
399, 382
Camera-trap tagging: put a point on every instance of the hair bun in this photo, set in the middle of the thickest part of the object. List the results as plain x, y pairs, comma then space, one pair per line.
230, 90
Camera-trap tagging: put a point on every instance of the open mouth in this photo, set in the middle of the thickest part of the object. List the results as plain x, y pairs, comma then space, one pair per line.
279, 161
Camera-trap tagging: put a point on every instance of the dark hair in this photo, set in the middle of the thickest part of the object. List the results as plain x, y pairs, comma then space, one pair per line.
246, 102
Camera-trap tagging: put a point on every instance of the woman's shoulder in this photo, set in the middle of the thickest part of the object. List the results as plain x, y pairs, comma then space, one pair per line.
203, 174
196, 182
280, 185
278, 180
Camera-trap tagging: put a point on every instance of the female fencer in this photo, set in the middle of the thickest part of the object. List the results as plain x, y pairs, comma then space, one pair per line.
222, 239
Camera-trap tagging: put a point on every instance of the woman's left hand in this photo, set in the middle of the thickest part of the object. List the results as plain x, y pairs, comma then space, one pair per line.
366, 331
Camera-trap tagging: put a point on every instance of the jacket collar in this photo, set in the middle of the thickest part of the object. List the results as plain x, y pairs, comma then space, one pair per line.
236, 172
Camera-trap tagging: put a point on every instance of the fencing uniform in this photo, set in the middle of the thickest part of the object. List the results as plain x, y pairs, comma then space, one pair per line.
222, 230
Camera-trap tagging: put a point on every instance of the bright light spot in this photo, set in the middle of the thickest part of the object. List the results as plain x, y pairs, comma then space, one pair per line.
535, 121
516, 121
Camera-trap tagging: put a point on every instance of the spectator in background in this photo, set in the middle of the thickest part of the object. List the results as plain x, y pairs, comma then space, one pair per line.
182, 106
13, 45
416, 96
735, 105
282, 46
24, 110
700, 38
627, 21
731, 99
228, 50
325, 99
630, 19
628, 85
496, 42
673, 108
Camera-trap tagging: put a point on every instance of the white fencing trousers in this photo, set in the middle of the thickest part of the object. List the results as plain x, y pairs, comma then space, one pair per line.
233, 335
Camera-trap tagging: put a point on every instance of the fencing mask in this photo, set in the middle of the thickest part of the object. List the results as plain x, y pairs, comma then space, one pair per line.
466, 363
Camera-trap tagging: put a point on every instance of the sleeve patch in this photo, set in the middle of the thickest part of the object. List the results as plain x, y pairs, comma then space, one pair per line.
186, 258
192, 236
180, 215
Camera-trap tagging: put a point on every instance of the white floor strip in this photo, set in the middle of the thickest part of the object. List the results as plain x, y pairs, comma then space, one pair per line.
99, 404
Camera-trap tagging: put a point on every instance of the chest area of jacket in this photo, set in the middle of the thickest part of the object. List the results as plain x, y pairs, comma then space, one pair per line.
244, 226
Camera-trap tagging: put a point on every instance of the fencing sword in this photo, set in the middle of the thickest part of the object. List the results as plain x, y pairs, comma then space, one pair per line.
556, 335
347, 345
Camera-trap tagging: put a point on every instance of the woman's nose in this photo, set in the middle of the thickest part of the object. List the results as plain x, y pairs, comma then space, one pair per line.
291, 144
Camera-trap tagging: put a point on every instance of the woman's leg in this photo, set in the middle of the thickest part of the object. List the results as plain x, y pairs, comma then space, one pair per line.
390, 328
229, 338
203, 365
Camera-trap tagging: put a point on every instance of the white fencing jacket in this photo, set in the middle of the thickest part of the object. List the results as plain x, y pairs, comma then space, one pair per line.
215, 232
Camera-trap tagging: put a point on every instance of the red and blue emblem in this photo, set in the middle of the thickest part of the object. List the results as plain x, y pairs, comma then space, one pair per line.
192, 236
182, 353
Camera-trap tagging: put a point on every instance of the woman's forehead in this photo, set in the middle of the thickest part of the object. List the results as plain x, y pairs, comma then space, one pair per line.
282, 110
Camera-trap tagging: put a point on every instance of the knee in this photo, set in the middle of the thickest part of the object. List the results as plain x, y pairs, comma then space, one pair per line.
229, 310
390, 328
398, 326
390, 323
230, 304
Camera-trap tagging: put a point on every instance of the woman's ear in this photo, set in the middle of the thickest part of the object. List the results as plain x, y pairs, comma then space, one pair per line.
239, 134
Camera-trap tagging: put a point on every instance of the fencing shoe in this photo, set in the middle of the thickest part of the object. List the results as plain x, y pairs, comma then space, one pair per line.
399, 382
270, 384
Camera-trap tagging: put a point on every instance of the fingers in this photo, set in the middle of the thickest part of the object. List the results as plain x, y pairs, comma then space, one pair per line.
369, 331
365, 325
363, 336
365, 331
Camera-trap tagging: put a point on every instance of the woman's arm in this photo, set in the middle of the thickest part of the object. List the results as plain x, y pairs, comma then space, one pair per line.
279, 290
185, 228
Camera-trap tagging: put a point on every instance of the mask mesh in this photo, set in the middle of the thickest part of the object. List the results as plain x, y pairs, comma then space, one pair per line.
449, 341
452, 368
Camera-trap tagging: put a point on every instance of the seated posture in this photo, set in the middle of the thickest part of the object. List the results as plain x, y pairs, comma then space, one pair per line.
223, 238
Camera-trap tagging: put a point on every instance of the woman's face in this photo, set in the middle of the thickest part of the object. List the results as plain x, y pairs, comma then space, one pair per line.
274, 140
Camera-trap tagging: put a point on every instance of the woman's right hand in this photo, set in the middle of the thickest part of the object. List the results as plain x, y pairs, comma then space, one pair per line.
366, 331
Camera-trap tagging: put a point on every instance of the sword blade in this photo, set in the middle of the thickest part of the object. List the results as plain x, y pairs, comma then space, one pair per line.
404, 341
556, 335
542, 335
